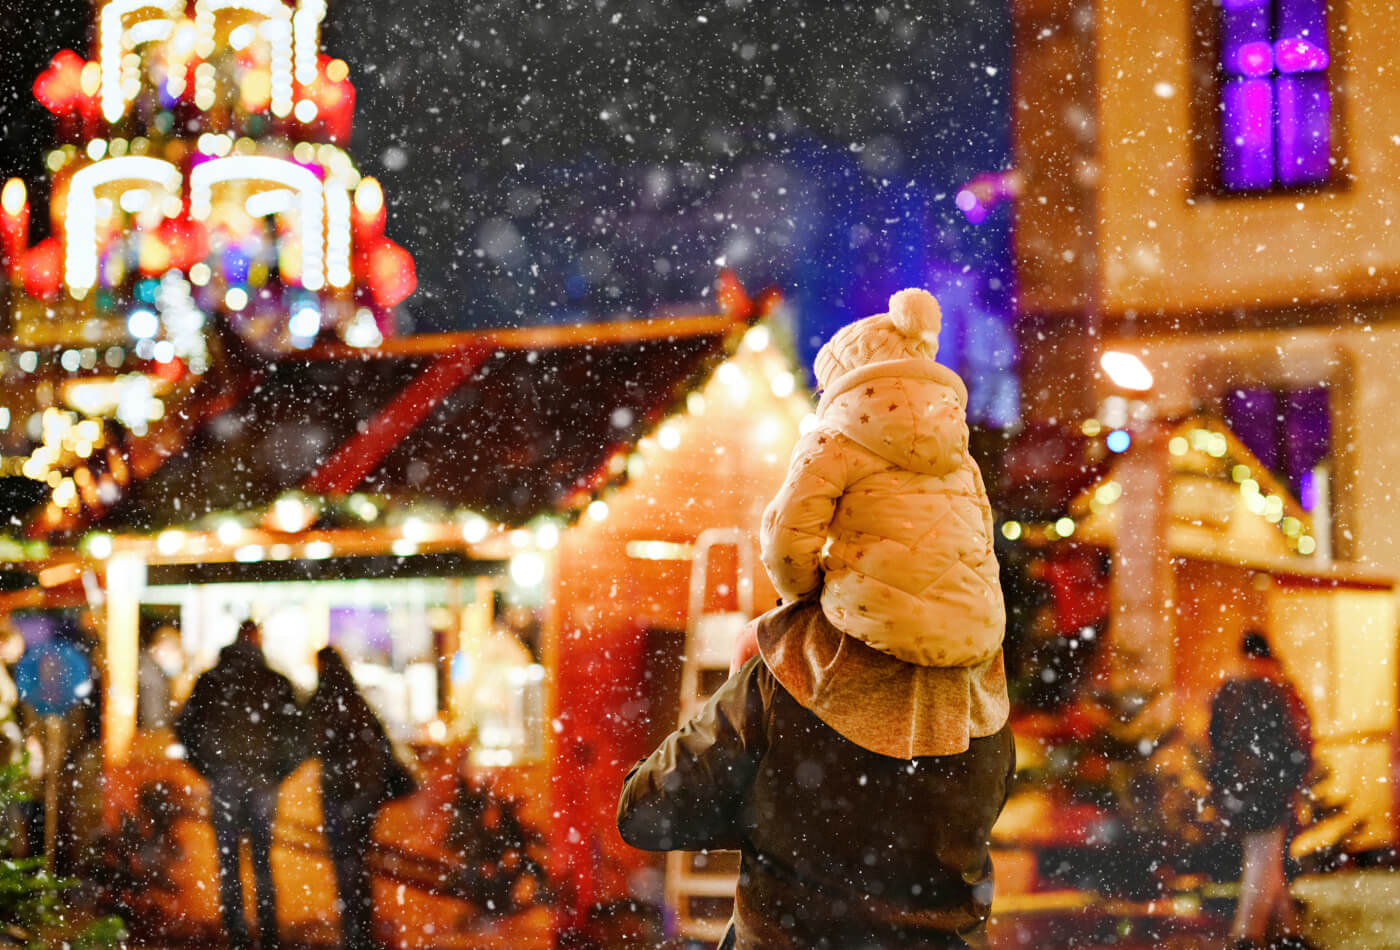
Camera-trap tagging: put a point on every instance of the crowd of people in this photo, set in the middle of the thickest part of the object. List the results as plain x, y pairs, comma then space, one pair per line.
244, 732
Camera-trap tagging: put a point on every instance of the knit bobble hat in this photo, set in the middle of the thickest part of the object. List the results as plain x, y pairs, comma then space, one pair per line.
908, 331
915, 313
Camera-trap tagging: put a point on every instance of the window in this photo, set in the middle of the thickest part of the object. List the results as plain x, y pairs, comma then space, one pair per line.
1275, 103
1290, 432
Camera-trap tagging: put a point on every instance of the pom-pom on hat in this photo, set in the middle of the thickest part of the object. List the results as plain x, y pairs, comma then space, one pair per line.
915, 313
908, 331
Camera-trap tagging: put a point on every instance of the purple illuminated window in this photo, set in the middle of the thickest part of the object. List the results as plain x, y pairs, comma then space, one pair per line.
1289, 431
1275, 104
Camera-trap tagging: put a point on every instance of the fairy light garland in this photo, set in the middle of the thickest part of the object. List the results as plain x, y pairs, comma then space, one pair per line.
1268, 506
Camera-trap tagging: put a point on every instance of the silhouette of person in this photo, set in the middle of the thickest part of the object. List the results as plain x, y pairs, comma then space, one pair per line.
242, 731
359, 773
1261, 751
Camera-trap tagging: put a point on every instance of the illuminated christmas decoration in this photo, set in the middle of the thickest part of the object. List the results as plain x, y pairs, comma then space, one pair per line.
197, 186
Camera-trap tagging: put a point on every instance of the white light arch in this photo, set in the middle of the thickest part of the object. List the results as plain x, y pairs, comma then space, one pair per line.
113, 42
80, 258
276, 29
337, 233
279, 172
306, 38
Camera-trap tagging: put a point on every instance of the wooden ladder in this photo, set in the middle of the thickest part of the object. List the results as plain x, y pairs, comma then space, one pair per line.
700, 885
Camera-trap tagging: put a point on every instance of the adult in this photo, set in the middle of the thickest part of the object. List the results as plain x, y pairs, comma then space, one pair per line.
359, 773
161, 662
242, 731
860, 790
1261, 752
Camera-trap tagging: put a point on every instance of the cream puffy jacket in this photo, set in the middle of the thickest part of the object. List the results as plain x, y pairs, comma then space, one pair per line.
885, 510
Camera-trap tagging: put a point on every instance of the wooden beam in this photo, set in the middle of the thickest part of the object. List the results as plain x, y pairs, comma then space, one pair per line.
362, 452
601, 334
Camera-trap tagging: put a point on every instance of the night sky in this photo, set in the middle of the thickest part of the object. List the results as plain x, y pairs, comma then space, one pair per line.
573, 161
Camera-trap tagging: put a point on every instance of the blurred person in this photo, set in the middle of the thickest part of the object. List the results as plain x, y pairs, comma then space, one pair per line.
359, 774
859, 761
80, 766
11, 734
1261, 753
860, 790
242, 731
159, 667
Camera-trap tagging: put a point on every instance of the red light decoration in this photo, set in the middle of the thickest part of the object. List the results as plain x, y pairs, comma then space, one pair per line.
43, 269
60, 86
171, 370
335, 100
14, 226
187, 239
392, 276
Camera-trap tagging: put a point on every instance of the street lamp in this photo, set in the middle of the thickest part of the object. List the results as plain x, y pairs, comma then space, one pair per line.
1126, 371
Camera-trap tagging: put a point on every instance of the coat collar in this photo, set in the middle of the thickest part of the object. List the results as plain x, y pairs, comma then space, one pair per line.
913, 368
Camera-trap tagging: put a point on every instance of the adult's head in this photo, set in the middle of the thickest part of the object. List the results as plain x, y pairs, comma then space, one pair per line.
1255, 646
331, 669
250, 634
908, 331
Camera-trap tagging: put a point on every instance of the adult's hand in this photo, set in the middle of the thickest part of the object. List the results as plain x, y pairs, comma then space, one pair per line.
745, 646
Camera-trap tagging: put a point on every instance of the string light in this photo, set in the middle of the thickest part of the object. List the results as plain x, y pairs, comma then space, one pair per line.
112, 47
99, 546
80, 264
306, 23
474, 529
229, 531
255, 168
369, 197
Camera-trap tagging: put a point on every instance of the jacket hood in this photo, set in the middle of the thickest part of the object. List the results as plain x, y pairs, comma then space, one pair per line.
910, 412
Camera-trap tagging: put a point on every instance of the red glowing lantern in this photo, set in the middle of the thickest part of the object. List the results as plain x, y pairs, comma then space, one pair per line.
392, 276
171, 370
60, 86
187, 239
43, 269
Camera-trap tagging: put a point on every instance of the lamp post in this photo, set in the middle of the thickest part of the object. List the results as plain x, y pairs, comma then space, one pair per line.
1140, 663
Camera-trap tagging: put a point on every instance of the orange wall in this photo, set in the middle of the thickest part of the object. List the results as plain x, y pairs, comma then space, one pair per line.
729, 461
1160, 245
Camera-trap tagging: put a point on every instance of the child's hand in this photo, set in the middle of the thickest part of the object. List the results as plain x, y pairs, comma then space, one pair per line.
745, 646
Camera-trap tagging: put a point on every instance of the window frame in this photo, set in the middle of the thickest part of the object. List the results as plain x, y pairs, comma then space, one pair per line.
1207, 80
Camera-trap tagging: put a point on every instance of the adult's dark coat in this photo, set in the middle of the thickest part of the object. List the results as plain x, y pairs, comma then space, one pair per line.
242, 731
359, 772
842, 847
241, 724
1261, 751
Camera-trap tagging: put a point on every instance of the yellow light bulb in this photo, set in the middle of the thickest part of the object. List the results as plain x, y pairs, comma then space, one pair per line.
90, 79
369, 197
12, 197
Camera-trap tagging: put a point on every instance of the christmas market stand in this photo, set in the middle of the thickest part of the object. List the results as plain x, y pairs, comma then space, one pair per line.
1114, 693
210, 417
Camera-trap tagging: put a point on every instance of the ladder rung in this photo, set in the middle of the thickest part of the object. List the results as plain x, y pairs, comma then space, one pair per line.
705, 885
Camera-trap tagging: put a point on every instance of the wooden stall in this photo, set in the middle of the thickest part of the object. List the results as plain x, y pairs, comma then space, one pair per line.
497, 529
1231, 562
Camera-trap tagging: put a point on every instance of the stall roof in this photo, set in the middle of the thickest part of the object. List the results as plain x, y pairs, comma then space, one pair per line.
1224, 505
509, 423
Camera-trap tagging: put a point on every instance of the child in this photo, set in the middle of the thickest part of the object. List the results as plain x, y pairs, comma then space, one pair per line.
884, 513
